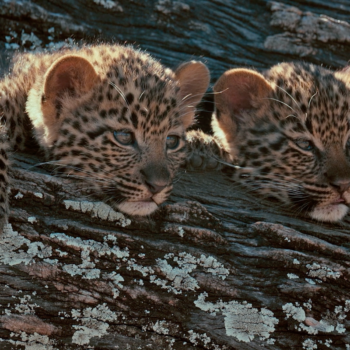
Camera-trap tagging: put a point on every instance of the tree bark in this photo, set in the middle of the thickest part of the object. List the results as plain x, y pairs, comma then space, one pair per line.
214, 268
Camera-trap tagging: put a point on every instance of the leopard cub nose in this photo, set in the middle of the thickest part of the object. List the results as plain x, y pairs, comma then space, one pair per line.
341, 185
155, 187
156, 178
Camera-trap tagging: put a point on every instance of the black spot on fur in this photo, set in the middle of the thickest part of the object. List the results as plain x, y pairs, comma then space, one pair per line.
58, 107
252, 155
76, 125
264, 150
265, 170
2, 165
83, 142
19, 140
122, 118
71, 140
113, 111
308, 124
277, 145
75, 152
64, 132
103, 114
96, 133
129, 98
134, 120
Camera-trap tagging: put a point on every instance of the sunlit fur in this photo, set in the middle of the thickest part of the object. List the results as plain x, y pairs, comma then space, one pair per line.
133, 92
305, 102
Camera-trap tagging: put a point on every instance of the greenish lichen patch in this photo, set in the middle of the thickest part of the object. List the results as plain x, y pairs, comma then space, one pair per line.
332, 321
179, 277
322, 272
114, 283
12, 252
32, 341
309, 344
32, 219
242, 321
109, 4
87, 269
23, 307
144, 270
160, 327
93, 323
197, 337
19, 195
296, 312
88, 246
98, 210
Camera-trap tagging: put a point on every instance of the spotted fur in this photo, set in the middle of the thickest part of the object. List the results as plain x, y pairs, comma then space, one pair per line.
109, 115
288, 133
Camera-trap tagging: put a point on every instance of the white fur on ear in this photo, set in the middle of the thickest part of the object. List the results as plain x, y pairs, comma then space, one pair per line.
70, 75
193, 78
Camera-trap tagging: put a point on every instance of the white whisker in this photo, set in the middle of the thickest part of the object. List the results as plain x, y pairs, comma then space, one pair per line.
120, 92
274, 99
289, 96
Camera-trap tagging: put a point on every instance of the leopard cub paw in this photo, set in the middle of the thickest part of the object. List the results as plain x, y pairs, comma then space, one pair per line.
204, 152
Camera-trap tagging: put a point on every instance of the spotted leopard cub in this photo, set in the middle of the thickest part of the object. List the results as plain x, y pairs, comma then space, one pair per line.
288, 132
107, 114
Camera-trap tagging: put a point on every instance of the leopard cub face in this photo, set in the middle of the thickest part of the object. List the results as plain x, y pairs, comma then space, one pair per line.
116, 119
288, 131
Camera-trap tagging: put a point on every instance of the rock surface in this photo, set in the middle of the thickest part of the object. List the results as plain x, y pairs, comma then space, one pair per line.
214, 268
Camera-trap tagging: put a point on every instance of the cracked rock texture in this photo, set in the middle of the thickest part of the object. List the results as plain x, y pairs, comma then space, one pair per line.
214, 268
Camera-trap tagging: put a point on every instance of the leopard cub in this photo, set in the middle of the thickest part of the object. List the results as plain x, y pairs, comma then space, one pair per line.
288, 133
107, 114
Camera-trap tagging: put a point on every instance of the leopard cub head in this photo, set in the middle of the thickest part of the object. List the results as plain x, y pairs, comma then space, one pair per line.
289, 132
116, 119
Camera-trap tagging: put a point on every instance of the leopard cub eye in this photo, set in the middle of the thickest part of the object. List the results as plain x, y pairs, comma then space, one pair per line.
124, 137
172, 141
304, 144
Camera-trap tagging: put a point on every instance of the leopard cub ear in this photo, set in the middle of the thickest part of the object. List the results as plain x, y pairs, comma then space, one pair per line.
193, 78
71, 75
236, 91
68, 78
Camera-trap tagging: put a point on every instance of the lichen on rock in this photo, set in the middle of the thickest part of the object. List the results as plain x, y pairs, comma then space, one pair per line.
98, 210
11, 248
242, 321
94, 323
